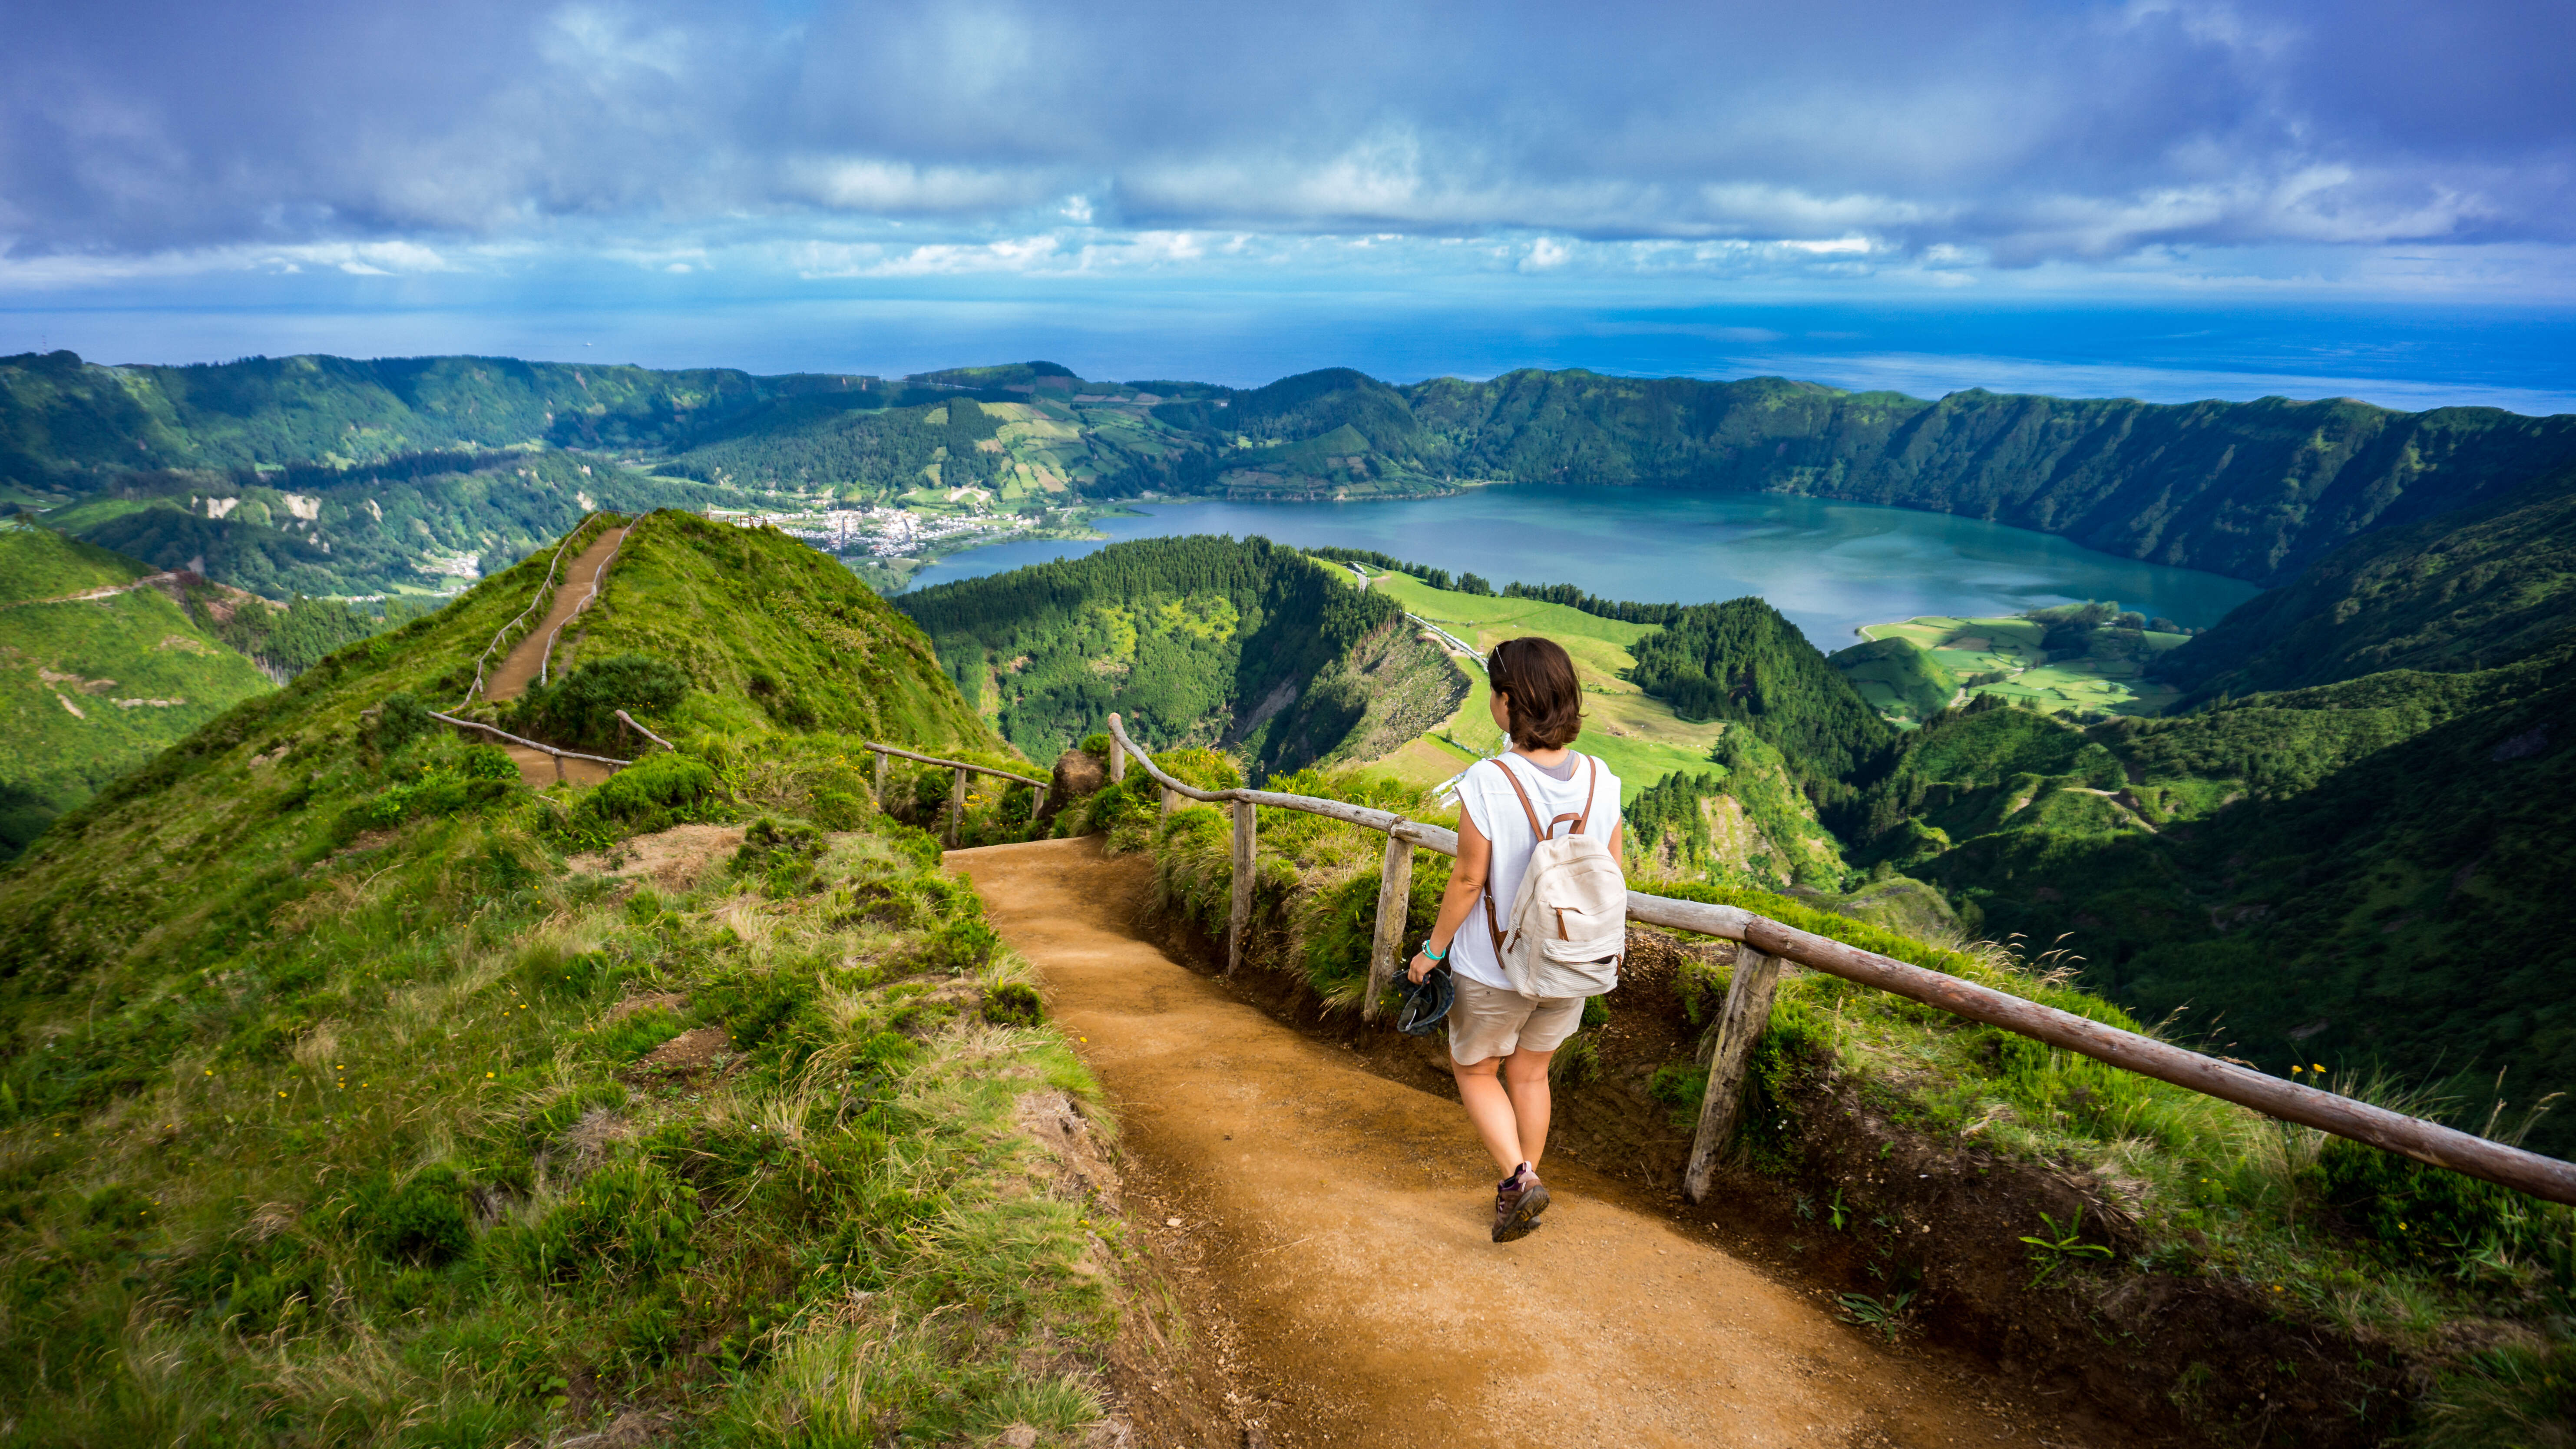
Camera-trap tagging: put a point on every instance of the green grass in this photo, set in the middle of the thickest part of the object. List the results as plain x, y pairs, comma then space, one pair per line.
38, 563
1967, 647
1637, 736
137, 646
322, 1121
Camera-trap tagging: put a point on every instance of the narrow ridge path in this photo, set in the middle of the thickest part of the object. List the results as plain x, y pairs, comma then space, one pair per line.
511, 677
1348, 1221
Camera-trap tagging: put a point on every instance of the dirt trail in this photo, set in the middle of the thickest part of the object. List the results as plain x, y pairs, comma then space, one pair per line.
512, 676
1346, 1221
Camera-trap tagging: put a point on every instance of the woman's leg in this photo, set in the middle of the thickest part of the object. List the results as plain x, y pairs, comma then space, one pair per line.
1495, 1113
1525, 1076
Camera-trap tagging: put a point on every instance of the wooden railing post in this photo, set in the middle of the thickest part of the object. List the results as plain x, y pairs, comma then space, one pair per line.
1740, 1024
1169, 799
1117, 752
881, 774
956, 804
1394, 899
1238, 926
1037, 803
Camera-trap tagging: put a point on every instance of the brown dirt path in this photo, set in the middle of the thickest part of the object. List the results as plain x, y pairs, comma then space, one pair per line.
1346, 1221
512, 676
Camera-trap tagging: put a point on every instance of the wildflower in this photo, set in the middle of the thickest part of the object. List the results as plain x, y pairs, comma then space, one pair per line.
487, 1075
2319, 1067
2295, 1067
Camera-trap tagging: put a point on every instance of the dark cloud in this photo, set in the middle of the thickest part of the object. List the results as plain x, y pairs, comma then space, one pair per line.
2017, 129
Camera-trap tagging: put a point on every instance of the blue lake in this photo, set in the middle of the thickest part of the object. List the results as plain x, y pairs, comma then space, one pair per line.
1830, 567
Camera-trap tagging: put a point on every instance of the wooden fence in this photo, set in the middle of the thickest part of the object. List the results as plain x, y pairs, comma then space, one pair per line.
1765, 943
957, 787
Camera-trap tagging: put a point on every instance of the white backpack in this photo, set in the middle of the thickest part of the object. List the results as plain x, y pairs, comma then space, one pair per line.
1569, 920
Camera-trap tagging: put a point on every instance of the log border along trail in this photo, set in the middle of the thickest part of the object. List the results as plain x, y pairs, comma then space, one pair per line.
511, 677
1346, 1225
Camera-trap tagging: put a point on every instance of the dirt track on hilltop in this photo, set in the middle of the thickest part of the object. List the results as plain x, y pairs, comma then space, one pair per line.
1343, 1220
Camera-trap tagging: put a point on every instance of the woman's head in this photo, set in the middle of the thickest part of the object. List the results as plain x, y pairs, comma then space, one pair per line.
1535, 692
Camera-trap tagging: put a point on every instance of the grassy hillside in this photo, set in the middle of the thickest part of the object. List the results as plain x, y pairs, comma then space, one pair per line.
2086, 658
348, 1100
2299, 870
89, 690
1741, 661
1194, 641
1639, 738
2481, 587
2234, 1273
1900, 678
41, 563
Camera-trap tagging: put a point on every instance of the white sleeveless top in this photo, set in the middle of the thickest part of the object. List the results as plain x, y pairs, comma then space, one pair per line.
1487, 799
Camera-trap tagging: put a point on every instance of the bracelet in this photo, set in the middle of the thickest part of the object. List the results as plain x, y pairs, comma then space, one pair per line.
1434, 957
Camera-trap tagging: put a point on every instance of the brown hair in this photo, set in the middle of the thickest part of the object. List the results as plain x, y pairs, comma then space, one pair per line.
1540, 692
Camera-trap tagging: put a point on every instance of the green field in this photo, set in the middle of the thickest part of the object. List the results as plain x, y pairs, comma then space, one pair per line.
1639, 738
2010, 646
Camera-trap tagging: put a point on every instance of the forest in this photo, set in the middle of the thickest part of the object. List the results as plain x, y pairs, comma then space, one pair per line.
1193, 641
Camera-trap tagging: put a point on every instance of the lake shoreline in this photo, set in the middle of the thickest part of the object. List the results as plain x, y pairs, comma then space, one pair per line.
1832, 567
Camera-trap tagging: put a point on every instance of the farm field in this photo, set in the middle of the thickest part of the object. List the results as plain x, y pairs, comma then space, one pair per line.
2011, 647
1638, 737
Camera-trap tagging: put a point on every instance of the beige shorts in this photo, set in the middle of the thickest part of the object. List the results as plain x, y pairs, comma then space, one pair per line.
1488, 1021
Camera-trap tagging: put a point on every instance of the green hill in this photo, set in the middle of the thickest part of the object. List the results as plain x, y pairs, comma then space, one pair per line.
1741, 661
1194, 641
40, 563
404, 1105
2465, 591
89, 690
1898, 676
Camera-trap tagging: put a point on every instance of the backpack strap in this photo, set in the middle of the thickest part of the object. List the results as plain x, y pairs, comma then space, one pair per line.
1548, 831
1537, 831
1591, 790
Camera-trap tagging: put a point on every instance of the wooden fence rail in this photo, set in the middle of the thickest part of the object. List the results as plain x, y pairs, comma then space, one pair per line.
1767, 943
560, 755
957, 786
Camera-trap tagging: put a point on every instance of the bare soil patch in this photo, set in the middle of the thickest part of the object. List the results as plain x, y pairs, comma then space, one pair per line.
670, 861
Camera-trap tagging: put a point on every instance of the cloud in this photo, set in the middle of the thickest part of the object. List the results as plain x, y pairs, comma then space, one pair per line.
1869, 134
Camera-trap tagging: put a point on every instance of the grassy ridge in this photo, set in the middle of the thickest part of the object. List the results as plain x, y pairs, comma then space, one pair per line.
39, 563
332, 1079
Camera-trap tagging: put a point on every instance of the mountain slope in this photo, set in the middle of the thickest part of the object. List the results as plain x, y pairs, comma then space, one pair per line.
90, 689
2468, 590
333, 1061
2254, 490
1742, 661
1194, 641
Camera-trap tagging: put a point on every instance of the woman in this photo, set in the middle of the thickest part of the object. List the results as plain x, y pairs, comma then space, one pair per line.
1539, 703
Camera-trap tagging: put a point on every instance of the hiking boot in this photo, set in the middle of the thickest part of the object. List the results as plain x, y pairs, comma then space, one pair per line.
1517, 1203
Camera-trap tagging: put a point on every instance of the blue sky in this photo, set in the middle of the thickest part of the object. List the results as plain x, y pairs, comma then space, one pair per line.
2163, 198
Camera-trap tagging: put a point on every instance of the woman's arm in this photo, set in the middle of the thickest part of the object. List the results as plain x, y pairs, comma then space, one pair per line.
1466, 883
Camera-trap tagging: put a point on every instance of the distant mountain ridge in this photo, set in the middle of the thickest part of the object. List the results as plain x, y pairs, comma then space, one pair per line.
2255, 490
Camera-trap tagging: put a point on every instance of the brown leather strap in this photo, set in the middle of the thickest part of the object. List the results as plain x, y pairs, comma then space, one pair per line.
1537, 831
1591, 789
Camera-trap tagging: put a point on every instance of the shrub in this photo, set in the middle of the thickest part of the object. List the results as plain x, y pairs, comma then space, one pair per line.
420, 1221
630, 1221
580, 711
1014, 1004
652, 794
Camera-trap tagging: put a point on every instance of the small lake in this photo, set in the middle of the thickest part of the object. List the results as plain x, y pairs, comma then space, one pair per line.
1830, 567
